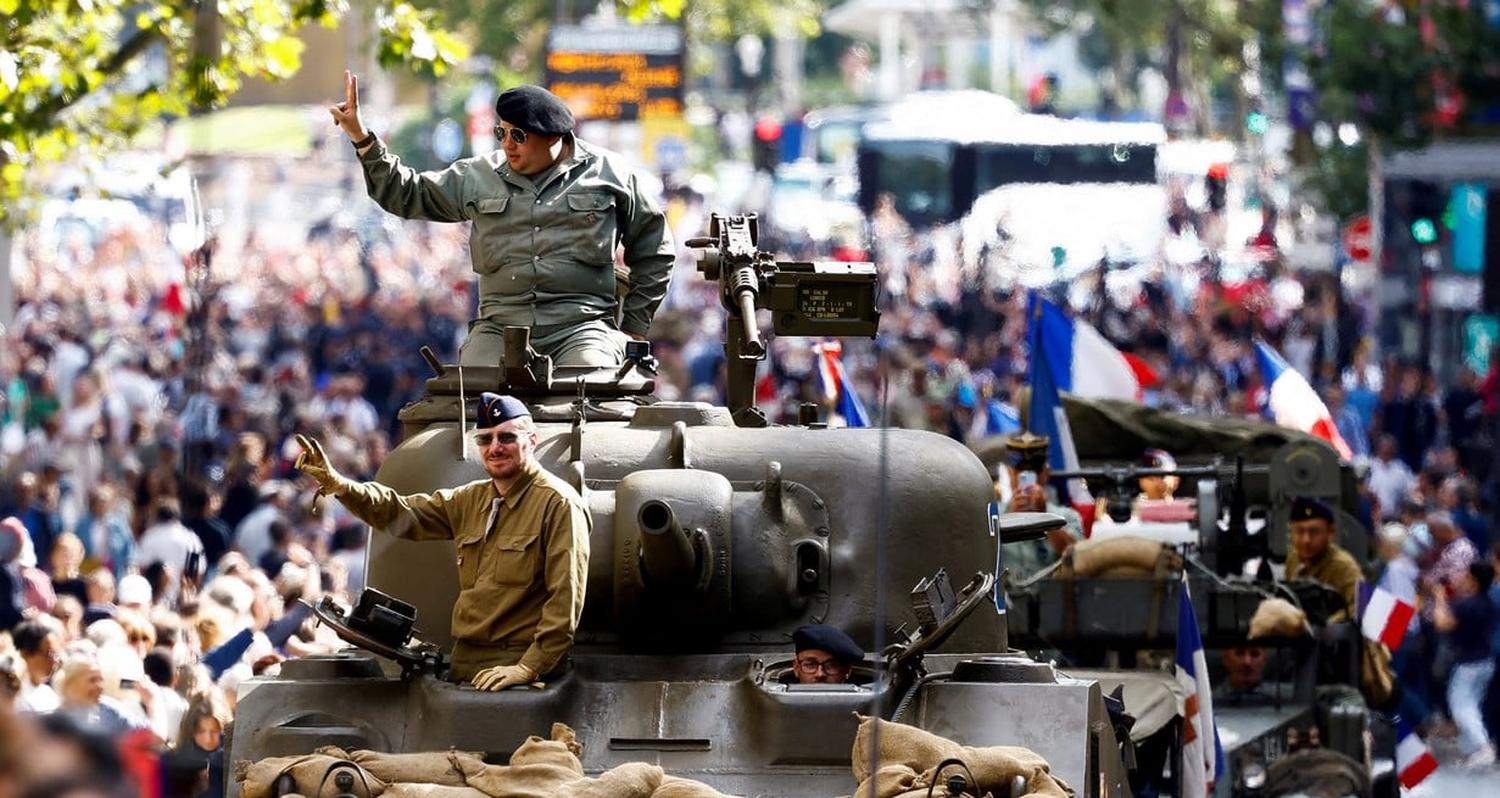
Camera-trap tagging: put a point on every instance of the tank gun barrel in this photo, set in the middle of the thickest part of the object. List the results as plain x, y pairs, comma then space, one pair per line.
668, 556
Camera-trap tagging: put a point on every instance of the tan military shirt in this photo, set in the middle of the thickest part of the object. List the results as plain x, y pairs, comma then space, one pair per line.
1336, 568
523, 561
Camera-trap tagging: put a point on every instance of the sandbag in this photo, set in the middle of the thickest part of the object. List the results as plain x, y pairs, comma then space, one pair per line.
1277, 617
993, 767
415, 790
312, 774
433, 767
1126, 555
677, 787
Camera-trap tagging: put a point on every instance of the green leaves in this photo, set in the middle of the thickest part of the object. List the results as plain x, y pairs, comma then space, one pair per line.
75, 76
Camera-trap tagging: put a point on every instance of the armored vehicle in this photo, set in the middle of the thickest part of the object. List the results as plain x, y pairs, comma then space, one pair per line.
1118, 625
715, 536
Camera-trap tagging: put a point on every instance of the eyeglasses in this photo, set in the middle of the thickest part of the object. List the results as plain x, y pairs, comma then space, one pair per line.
139, 638
516, 134
829, 666
483, 439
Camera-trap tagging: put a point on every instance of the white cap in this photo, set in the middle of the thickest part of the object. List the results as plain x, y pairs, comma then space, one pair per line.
133, 590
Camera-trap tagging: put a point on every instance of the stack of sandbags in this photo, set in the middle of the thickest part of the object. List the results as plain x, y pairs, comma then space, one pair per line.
539, 768
1277, 617
906, 763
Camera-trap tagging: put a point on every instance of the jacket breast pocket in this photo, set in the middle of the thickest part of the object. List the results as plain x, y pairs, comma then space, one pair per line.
495, 225
469, 551
591, 222
515, 558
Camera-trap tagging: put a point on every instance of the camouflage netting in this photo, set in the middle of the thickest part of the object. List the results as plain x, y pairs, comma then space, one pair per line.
909, 757
538, 769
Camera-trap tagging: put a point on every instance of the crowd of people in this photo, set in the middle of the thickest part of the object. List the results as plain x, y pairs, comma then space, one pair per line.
162, 540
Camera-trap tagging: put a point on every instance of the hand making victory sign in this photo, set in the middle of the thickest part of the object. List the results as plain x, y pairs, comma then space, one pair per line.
346, 114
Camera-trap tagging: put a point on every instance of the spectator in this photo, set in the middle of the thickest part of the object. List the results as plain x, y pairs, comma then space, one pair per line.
169, 544
40, 644
1470, 620
1391, 479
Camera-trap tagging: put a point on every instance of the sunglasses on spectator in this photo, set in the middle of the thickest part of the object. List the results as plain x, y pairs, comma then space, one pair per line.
516, 134
483, 439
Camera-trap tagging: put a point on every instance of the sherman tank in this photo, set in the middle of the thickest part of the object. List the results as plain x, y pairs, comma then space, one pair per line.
715, 535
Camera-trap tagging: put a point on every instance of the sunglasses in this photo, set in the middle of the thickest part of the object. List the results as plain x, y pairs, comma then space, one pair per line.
483, 439
516, 134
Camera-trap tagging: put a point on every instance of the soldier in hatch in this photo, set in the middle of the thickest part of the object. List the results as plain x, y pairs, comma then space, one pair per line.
522, 537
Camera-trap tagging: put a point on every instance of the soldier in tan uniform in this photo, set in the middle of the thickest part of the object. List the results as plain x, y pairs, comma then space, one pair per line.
1315, 556
522, 537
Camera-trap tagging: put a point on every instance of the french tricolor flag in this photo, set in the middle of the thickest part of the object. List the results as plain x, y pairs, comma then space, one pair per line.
1414, 761
1291, 402
1083, 362
833, 381
1383, 617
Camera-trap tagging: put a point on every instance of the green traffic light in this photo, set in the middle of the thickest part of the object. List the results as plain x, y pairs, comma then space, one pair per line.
1257, 122
1424, 231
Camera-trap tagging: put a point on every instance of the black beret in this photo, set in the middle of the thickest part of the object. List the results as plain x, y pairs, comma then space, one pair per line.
827, 638
1307, 508
1028, 450
534, 110
495, 409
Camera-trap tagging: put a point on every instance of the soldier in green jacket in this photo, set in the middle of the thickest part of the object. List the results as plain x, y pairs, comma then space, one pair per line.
522, 537
548, 213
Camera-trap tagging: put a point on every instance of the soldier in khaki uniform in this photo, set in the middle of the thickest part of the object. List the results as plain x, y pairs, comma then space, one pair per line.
1315, 556
523, 547
548, 212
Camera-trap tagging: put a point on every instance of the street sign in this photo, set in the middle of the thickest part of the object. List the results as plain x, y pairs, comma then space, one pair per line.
1358, 239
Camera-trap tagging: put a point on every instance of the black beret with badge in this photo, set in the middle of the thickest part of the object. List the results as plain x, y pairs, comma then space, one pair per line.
1027, 451
534, 110
1308, 508
495, 409
827, 638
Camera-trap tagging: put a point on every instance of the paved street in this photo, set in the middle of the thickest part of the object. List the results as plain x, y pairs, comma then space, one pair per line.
1451, 782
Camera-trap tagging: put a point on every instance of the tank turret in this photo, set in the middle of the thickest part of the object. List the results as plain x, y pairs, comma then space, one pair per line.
715, 536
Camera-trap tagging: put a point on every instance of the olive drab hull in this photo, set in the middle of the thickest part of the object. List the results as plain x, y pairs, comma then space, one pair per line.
714, 537
803, 521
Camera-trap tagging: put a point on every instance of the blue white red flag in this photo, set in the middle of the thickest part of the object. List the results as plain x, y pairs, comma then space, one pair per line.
834, 383
1414, 761
1083, 362
1202, 755
1047, 415
1382, 616
1291, 402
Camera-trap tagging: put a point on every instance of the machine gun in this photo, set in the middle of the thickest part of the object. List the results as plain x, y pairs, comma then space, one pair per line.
804, 298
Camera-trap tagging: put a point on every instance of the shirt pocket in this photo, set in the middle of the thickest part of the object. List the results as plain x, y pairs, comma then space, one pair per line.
591, 226
469, 551
495, 226
517, 556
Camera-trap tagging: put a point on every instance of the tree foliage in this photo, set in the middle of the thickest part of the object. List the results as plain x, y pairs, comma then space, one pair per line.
83, 76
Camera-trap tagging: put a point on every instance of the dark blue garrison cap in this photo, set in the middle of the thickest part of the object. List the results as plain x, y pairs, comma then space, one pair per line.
1306, 508
497, 409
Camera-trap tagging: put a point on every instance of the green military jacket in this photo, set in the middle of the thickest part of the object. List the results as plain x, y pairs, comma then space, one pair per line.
1337, 569
523, 560
544, 249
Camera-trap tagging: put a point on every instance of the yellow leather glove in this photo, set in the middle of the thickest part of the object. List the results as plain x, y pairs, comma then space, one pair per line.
314, 463
503, 676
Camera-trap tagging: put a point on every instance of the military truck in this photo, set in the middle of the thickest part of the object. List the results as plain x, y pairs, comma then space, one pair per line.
715, 535
1121, 629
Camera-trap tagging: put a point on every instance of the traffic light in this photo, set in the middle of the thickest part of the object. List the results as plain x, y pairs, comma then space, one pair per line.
1216, 184
1427, 210
766, 149
1257, 123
